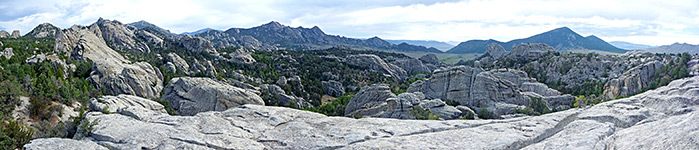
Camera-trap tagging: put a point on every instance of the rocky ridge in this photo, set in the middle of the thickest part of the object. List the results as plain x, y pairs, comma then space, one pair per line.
112, 73
44, 30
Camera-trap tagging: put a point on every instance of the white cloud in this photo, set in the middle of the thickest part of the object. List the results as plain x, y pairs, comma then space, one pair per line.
646, 22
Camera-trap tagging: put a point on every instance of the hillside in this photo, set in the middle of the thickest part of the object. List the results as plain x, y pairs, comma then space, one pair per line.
630, 46
443, 46
561, 39
674, 48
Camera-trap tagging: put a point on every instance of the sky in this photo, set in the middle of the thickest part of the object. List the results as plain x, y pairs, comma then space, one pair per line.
659, 22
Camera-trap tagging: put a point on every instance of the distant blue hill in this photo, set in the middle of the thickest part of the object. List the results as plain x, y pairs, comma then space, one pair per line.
561, 38
630, 46
427, 43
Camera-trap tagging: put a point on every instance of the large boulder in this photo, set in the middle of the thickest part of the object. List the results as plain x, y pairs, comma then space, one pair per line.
530, 51
632, 81
114, 103
7, 53
369, 101
375, 63
400, 107
333, 88
140, 79
190, 96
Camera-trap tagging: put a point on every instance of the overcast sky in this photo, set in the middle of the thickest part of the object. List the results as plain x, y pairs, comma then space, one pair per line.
658, 22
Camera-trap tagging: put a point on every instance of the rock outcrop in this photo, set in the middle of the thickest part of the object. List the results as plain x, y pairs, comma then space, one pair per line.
492, 53
429, 58
278, 97
111, 72
369, 101
658, 119
178, 62
205, 67
121, 36
333, 88
196, 44
375, 63
15, 34
692, 65
402, 106
44, 30
190, 96
140, 79
495, 50
500, 90
114, 103
7, 53
632, 81
529, 51
55, 61
412, 65
240, 55
4, 34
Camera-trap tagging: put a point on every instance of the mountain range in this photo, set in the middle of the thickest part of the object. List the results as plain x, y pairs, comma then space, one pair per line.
443, 46
630, 46
674, 49
197, 32
561, 39
275, 36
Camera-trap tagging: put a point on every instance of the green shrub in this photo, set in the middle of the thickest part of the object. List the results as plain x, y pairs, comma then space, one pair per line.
334, 108
86, 127
483, 113
536, 107
423, 114
14, 134
168, 106
452, 103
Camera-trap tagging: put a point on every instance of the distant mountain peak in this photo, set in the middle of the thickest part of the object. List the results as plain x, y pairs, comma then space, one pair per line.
564, 28
273, 25
562, 38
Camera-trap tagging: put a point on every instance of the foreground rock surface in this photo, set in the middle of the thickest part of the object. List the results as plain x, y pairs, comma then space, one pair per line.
658, 119
64, 144
193, 95
114, 103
